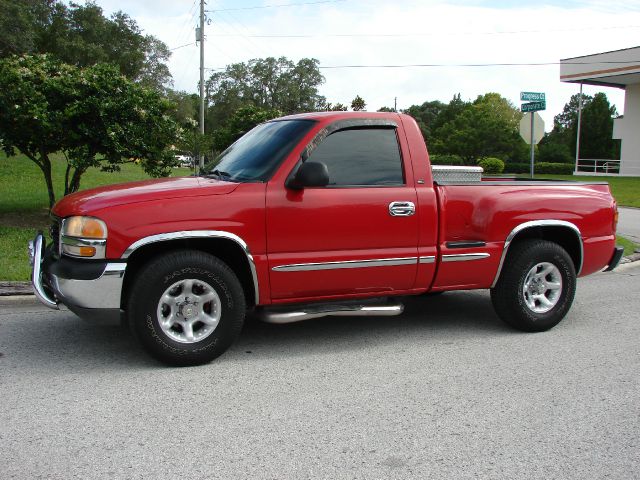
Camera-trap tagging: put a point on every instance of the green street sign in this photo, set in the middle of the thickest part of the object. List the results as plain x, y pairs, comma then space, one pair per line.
534, 106
532, 97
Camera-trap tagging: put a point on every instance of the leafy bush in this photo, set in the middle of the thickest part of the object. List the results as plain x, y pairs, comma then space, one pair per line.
443, 159
491, 165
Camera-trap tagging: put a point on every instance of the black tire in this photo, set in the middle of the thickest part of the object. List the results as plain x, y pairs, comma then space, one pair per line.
202, 274
522, 309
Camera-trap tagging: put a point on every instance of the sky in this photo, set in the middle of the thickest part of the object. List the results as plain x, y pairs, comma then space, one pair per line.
446, 33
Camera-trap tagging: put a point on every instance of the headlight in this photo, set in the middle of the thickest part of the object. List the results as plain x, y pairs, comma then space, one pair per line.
83, 237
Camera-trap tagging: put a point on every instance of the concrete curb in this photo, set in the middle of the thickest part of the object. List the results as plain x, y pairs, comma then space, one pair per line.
13, 300
15, 288
634, 257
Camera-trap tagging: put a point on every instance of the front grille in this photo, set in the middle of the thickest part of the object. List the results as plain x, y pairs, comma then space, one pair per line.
54, 230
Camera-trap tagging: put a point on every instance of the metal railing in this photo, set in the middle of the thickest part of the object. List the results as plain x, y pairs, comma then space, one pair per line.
604, 166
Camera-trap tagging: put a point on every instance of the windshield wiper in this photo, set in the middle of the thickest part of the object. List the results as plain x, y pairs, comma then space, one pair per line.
218, 174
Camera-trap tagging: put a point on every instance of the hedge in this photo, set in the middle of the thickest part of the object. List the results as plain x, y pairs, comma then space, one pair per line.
542, 167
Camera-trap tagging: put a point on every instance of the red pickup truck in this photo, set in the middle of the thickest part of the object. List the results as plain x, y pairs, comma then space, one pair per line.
318, 214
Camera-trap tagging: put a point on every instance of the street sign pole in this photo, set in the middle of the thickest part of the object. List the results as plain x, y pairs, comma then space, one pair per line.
536, 101
532, 145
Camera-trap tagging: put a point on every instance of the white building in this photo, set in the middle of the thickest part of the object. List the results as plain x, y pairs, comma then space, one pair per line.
621, 69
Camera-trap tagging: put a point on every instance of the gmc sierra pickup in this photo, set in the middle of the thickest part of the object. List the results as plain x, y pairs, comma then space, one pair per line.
318, 214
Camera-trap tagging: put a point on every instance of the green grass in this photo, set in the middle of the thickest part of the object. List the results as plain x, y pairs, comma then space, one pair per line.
626, 190
15, 259
23, 193
24, 204
629, 246
22, 186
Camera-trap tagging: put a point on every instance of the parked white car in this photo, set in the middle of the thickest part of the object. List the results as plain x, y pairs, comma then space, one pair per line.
185, 160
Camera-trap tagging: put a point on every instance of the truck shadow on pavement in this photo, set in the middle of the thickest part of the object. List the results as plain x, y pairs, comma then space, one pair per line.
453, 316
61, 340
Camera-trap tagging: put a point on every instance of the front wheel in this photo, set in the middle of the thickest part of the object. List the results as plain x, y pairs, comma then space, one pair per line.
537, 285
186, 307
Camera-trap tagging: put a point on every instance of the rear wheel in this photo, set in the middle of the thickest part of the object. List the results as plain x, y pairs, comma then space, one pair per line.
186, 307
537, 285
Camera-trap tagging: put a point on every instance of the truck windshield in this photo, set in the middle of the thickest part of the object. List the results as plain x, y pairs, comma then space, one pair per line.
255, 156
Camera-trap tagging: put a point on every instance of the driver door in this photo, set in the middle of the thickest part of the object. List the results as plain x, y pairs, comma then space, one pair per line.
349, 237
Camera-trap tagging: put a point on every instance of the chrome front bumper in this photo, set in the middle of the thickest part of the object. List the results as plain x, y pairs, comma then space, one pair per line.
79, 295
36, 252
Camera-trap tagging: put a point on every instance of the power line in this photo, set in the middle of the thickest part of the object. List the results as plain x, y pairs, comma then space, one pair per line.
428, 34
461, 65
257, 7
537, 64
182, 46
236, 25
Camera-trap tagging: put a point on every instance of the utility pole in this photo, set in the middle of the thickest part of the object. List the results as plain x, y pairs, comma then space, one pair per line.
395, 104
201, 39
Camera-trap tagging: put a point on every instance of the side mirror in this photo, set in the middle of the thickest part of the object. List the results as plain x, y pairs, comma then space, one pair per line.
310, 174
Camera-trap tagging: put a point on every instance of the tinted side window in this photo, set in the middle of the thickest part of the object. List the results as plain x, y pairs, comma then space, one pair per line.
362, 156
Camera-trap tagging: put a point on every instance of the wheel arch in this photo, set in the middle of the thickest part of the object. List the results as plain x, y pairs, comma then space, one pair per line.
228, 247
565, 234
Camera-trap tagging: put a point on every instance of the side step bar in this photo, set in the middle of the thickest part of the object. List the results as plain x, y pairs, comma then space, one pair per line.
307, 312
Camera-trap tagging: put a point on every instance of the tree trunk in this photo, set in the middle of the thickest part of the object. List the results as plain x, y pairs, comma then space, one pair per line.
66, 178
74, 185
45, 165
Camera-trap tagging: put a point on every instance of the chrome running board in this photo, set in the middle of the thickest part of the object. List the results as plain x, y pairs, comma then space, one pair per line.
307, 312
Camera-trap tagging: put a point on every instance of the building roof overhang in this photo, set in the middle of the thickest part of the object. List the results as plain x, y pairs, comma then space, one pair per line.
618, 68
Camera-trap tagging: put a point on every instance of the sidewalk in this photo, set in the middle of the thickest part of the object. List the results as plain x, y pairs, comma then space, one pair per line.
629, 223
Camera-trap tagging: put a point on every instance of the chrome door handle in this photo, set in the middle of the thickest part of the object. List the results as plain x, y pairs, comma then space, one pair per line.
402, 209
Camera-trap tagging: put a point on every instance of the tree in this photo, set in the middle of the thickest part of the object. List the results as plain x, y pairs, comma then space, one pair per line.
486, 128
358, 104
267, 84
243, 120
16, 27
185, 108
426, 116
331, 107
94, 116
553, 151
195, 144
565, 125
81, 35
596, 129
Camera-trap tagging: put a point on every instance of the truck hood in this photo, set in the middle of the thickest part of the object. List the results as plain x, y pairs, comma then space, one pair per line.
88, 201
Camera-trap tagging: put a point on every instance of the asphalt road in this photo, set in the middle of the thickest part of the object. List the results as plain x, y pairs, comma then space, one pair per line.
629, 223
444, 391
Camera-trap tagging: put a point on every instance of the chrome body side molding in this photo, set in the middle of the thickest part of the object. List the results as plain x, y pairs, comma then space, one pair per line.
378, 262
534, 224
464, 257
186, 234
428, 259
